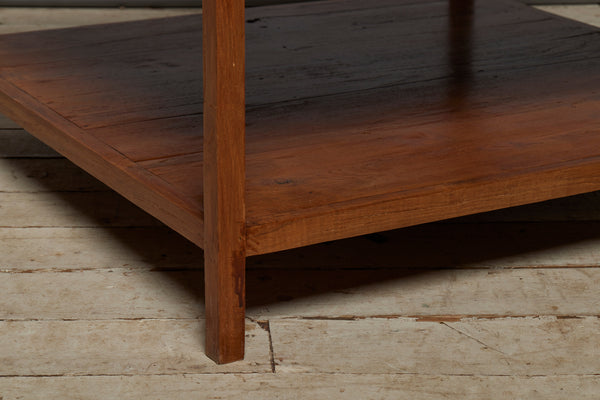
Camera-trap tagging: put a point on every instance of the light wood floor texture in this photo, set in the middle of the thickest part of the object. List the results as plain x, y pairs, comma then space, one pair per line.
100, 301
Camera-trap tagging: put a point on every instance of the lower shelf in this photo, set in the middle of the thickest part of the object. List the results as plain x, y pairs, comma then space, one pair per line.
360, 117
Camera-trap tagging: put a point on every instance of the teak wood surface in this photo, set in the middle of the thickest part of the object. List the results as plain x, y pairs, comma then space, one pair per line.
224, 178
359, 118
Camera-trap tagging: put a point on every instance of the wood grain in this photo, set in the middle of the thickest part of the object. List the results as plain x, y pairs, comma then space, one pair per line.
97, 158
129, 292
515, 346
28, 249
346, 135
224, 178
425, 295
286, 386
105, 348
490, 245
61, 278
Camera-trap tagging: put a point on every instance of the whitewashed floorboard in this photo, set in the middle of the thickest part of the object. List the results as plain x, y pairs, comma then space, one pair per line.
507, 346
106, 242
448, 294
70, 209
119, 347
35, 175
284, 386
68, 249
101, 295
424, 295
22, 19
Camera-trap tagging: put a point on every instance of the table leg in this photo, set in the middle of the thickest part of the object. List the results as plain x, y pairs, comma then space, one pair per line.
224, 178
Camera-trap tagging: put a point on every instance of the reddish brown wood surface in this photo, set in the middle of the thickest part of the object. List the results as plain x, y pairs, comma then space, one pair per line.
76, 73
224, 178
361, 117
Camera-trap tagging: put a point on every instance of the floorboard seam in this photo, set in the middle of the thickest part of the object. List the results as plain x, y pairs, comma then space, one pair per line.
192, 374
266, 326
436, 318
97, 320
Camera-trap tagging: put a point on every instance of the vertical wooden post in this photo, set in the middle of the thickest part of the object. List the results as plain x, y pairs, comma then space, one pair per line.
460, 44
224, 178
461, 35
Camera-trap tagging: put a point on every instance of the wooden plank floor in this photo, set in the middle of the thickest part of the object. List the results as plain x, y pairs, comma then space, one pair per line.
100, 301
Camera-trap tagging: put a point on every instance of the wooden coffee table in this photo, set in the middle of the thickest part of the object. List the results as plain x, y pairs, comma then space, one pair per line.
319, 120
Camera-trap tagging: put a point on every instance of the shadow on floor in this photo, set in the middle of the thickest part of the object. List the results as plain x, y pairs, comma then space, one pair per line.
492, 240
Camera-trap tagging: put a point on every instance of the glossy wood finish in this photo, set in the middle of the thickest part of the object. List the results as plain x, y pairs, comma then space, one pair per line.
360, 118
59, 86
224, 178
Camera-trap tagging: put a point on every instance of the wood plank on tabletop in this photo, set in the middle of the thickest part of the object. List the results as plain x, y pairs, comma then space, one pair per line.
102, 161
264, 64
511, 346
346, 31
301, 196
119, 347
285, 386
59, 46
306, 168
388, 212
258, 86
112, 80
157, 136
108, 116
